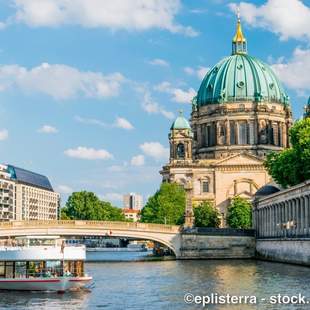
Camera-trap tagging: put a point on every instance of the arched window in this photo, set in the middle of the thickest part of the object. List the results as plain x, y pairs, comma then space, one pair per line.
180, 151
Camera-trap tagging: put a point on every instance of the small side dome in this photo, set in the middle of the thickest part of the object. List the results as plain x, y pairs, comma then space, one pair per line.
180, 123
267, 189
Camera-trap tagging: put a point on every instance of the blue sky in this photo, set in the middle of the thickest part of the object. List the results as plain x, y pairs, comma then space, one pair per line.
89, 88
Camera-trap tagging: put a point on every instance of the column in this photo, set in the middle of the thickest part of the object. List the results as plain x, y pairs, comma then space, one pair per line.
237, 132
302, 215
284, 135
307, 213
294, 217
227, 132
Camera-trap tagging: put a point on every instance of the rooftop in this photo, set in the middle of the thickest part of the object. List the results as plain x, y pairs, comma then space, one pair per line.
29, 178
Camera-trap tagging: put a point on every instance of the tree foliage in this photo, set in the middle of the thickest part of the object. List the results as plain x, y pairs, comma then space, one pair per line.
292, 166
239, 213
166, 206
87, 206
206, 215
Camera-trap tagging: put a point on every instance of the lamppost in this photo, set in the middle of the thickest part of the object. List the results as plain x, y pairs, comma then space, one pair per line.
189, 214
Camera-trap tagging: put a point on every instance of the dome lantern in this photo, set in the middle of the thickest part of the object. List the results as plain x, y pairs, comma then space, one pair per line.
239, 44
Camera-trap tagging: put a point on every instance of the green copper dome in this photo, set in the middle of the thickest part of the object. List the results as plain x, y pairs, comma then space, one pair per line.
240, 77
180, 123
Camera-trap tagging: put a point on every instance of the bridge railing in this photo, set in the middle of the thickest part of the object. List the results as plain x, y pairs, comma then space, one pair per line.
91, 224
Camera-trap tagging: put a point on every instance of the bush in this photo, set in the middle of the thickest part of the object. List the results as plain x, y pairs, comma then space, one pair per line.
206, 215
239, 213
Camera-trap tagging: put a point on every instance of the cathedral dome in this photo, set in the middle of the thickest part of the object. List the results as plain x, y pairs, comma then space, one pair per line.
180, 123
240, 77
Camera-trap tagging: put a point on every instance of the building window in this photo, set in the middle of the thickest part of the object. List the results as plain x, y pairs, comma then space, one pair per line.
205, 186
232, 133
180, 151
242, 133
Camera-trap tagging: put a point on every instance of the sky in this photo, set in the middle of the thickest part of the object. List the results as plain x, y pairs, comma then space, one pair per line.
89, 88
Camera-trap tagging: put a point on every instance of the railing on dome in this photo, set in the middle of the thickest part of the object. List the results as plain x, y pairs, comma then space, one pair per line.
91, 224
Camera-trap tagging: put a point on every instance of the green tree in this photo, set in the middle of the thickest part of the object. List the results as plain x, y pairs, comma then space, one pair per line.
292, 166
206, 215
239, 213
166, 206
87, 206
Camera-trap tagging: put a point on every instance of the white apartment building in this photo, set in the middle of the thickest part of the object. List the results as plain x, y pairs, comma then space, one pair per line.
133, 201
34, 196
7, 196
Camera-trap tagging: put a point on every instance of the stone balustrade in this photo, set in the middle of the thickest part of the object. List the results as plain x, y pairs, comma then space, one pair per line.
91, 224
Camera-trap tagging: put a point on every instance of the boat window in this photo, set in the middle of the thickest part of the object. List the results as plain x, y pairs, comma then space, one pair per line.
9, 270
2, 270
53, 268
20, 270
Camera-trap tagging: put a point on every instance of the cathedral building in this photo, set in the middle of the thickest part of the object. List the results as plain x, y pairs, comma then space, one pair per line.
240, 114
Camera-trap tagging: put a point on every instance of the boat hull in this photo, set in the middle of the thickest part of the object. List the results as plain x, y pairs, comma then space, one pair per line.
54, 284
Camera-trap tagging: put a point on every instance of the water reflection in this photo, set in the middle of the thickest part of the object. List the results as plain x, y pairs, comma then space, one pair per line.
162, 285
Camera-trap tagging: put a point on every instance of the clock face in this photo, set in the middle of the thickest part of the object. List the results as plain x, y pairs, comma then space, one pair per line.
180, 150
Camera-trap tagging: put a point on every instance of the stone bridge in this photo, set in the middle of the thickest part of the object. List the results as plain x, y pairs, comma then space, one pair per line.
167, 235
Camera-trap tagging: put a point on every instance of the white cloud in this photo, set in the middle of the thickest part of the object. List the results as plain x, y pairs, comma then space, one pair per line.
199, 72
4, 134
64, 189
89, 121
295, 72
152, 107
137, 160
155, 150
159, 62
47, 129
178, 94
286, 18
133, 15
60, 81
112, 197
120, 122
88, 153
123, 123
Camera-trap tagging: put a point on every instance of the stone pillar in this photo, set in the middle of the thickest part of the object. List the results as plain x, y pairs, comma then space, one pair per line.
273, 232
302, 215
307, 215
189, 213
237, 132
227, 132
284, 135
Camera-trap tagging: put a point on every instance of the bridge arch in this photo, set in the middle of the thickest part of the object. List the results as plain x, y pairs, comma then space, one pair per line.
167, 235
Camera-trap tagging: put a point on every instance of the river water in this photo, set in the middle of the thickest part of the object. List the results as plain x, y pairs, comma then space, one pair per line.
133, 284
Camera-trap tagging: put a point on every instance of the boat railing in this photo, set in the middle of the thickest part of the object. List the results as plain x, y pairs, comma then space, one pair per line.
12, 244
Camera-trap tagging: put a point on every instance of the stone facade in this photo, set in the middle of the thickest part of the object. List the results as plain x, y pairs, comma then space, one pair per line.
200, 246
282, 225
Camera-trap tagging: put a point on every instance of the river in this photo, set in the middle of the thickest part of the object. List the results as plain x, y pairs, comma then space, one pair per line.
133, 284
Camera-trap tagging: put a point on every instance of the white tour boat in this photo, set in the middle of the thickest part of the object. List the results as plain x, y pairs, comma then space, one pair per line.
46, 263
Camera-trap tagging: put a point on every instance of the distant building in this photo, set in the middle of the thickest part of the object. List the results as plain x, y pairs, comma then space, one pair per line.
26, 195
132, 201
131, 214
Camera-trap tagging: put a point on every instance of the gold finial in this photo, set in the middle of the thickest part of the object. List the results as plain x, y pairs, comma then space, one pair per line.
239, 37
